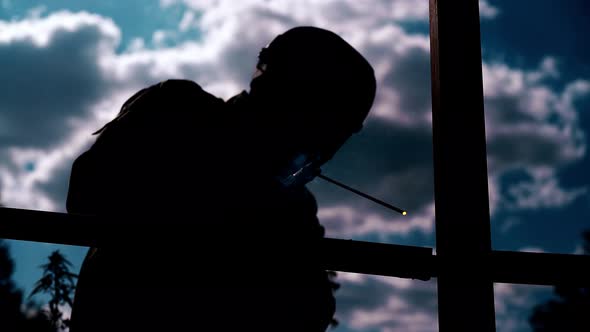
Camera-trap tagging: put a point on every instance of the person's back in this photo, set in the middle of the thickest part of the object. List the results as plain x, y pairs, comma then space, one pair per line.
209, 233
198, 241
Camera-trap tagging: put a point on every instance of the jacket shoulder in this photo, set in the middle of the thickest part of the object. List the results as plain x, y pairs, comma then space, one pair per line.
186, 88
174, 94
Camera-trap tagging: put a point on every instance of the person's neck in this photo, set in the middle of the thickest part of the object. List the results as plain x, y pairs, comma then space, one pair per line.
258, 152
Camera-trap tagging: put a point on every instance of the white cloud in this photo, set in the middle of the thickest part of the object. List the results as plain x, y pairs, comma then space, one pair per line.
543, 190
533, 127
386, 304
514, 304
391, 304
136, 45
336, 10
232, 33
55, 75
24, 187
347, 222
41, 30
167, 3
162, 38
36, 12
509, 224
187, 20
518, 101
487, 11
532, 249
519, 107
579, 250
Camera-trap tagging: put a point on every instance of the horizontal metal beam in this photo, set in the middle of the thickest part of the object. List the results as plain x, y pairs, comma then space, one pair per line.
539, 268
337, 254
49, 227
378, 259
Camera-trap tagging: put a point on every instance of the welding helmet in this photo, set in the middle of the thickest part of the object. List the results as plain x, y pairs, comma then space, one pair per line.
316, 89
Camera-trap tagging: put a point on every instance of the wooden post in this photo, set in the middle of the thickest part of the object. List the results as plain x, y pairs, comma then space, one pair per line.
463, 240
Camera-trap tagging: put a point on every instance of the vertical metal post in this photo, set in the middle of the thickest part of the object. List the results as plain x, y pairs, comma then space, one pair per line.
465, 291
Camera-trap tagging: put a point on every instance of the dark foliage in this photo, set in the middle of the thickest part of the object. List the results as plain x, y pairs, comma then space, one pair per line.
10, 296
569, 310
59, 283
14, 315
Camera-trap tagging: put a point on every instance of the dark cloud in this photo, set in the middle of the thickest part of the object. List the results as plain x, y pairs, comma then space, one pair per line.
388, 160
514, 304
367, 295
506, 109
44, 85
410, 78
57, 188
363, 302
530, 147
529, 124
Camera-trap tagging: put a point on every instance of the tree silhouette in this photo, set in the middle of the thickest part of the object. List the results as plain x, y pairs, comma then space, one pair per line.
12, 317
569, 310
10, 296
59, 283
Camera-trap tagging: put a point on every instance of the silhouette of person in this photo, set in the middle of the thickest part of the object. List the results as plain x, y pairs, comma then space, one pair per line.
208, 224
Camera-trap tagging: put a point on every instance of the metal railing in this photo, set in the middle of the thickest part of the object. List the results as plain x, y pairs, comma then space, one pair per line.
465, 266
337, 254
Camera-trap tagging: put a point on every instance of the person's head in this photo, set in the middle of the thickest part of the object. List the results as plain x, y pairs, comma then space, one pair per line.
313, 90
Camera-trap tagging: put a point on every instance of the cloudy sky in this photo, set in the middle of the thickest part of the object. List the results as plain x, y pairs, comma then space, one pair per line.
67, 66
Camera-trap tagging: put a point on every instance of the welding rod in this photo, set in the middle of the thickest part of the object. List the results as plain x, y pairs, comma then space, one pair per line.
360, 193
